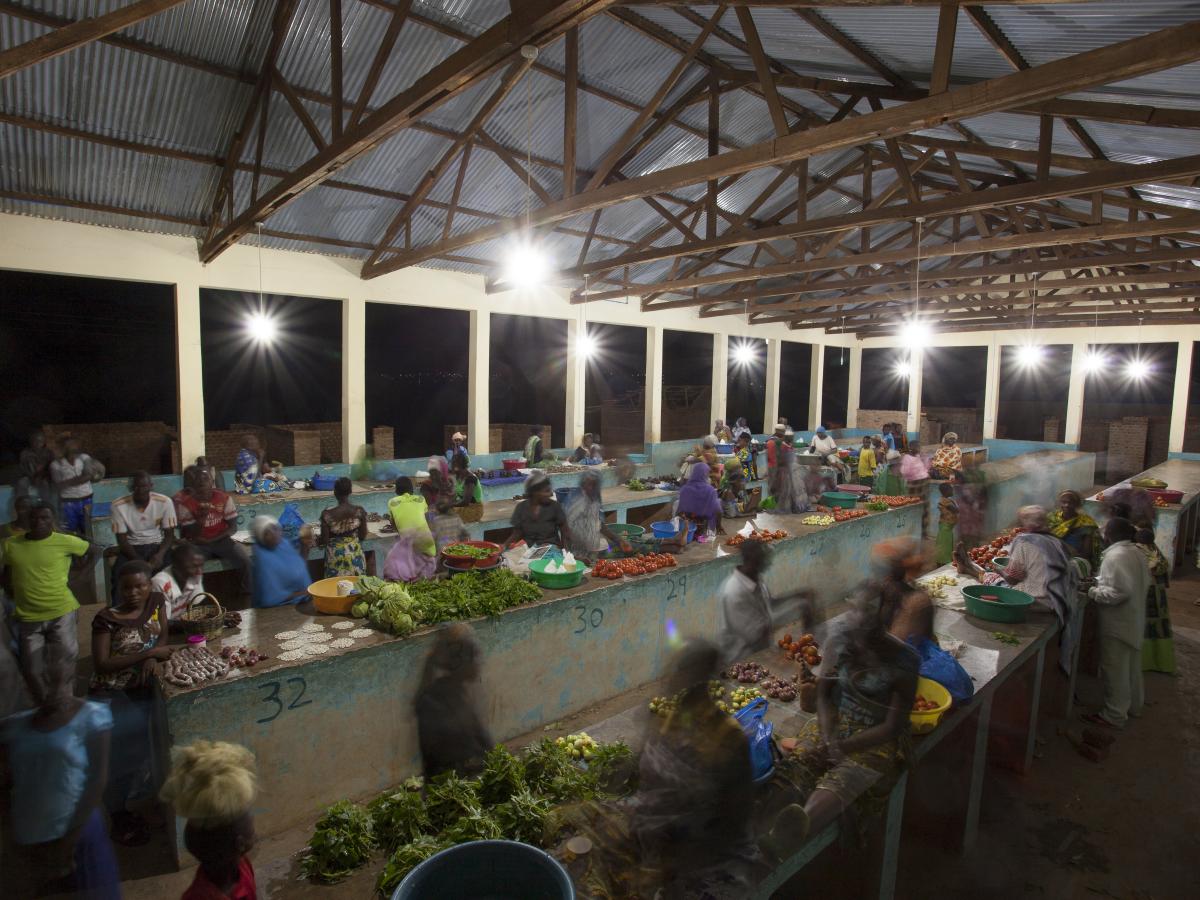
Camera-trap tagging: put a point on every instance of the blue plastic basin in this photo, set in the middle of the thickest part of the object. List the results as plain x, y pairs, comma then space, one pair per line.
488, 870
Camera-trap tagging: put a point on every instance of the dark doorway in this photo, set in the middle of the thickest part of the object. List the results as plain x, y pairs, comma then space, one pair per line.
1191, 434
528, 374
417, 387
953, 383
616, 382
795, 380
746, 393
835, 395
883, 382
687, 384
86, 351
274, 363
1034, 380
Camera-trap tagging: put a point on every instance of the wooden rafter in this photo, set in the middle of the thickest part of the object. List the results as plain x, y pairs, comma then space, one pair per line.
570, 111
335, 66
386, 44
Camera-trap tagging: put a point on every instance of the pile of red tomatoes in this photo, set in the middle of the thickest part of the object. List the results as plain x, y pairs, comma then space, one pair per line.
643, 564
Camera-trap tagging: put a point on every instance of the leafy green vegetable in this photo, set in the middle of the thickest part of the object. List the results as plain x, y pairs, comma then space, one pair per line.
399, 817
405, 859
1006, 637
476, 825
449, 798
527, 818
341, 842
359, 609
877, 506
467, 551
550, 770
503, 775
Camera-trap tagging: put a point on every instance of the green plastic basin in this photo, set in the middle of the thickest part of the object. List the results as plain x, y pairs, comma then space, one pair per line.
627, 531
844, 499
537, 569
1009, 607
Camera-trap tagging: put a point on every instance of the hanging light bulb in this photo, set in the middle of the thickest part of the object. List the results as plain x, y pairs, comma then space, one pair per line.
917, 334
1030, 355
261, 328
904, 369
585, 345
1138, 369
525, 266
744, 353
1094, 361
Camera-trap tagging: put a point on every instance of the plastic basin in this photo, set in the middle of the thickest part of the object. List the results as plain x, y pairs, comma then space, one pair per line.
724, 449
844, 499
512, 465
663, 530
565, 494
1009, 606
325, 595
488, 870
545, 579
1166, 496
925, 722
627, 531
469, 562
1001, 561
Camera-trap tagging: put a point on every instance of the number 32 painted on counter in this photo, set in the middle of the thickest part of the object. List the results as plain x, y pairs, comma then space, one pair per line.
273, 687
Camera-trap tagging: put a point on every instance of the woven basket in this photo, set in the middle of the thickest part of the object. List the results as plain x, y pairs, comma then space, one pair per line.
204, 615
473, 512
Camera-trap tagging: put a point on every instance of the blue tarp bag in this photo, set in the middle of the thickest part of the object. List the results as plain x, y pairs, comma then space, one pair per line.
290, 522
938, 665
759, 734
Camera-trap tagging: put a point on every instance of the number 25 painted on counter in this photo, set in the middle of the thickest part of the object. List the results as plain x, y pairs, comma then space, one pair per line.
273, 697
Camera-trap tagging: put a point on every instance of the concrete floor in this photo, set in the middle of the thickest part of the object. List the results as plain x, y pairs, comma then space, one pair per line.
1125, 828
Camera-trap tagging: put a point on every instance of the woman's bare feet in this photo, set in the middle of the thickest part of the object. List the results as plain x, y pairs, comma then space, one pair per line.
963, 564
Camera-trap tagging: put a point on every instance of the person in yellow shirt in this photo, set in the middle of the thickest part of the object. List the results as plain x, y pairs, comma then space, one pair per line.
866, 462
414, 555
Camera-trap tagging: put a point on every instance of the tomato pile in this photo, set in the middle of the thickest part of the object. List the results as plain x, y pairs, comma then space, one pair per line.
612, 569
765, 536
985, 553
923, 704
803, 650
895, 502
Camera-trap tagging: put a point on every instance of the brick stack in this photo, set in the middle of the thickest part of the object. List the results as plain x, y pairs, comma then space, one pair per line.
123, 447
1127, 440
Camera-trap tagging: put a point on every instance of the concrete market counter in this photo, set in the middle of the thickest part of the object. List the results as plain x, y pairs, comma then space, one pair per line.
1175, 525
341, 725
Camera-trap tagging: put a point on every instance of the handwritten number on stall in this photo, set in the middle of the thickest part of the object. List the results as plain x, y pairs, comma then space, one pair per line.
593, 618
676, 588
273, 697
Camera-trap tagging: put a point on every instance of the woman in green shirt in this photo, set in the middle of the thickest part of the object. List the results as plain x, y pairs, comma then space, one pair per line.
468, 492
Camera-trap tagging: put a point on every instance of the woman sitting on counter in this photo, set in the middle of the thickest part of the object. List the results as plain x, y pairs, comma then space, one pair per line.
280, 573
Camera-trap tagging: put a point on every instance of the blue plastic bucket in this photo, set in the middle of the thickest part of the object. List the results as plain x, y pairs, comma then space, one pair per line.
724, 449
663, 530
488, 870
691, 532
565, 495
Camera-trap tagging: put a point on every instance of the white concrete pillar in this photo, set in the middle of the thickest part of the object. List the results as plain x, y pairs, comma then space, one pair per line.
1179, 403
816, 385
771, 408
916, 365
1078, 384
354, 376
576, 384
189, 372
854, 394
991, 392
720, 379
478, 380
654, 385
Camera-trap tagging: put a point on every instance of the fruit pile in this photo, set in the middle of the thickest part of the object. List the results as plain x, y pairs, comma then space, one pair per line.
612, 569
747, 672
840, 513
1162, 504
895, 502
743, 696
985, 553
817, 520
804, 650
923, 704
778, 689
936, 586
664, 706
579, 746
763, 536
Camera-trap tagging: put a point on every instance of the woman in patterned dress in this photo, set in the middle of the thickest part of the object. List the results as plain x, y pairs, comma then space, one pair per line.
1158, 645
343, 529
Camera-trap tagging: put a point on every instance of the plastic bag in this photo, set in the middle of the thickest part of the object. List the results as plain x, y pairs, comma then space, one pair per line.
938, 665
759, 734
290, 522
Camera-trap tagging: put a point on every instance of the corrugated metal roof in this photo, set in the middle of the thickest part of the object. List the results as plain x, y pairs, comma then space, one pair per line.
114, 92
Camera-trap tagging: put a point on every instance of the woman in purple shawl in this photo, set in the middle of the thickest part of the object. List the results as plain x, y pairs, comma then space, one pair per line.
698, 500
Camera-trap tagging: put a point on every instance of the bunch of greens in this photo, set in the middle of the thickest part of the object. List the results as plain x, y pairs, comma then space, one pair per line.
399, 817
405, 859
341, 842
503, 776
470, 594
877, 506
526, 818
389, 606
468, 551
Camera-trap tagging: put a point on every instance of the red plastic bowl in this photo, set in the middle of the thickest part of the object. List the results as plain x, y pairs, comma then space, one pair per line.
1167, 496
512, 465
464, 562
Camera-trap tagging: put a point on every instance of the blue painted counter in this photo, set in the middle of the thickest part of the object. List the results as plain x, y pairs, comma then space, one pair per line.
342, 725
1176, 525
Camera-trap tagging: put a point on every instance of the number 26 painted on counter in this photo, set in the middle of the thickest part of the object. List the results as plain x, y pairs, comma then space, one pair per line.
273, 697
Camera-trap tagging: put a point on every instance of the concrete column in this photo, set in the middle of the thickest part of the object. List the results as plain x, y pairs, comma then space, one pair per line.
354, 376
1179, 403
654, 384
576, 384
771, 409
189, 372
816, 384
854, 395
1074, 425
478, 379
991, 392
916, 365
720, 379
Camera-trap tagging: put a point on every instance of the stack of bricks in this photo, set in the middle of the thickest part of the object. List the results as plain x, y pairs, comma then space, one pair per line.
122, 447
874, 419
383, 442
1127, 440
1052, 430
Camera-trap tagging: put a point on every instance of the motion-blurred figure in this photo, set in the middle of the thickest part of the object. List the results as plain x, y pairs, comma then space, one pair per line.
450, 725
748, 613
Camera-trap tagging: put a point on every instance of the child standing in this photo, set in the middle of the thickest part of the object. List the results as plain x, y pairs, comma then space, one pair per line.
947, 519
866, 462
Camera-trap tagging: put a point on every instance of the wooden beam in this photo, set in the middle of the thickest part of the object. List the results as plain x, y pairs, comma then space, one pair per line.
314, 133
546, 19
386, 44
618, 148
1153, 52
335, 65
853, 4
863, 55
1084, 321
714, 148
458, 183
762, 66
84, 31
570, 111
943, 53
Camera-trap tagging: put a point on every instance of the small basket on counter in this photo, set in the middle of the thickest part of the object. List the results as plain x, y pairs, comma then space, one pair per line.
204, 616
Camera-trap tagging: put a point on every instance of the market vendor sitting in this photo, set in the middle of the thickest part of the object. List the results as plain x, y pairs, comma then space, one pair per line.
736, 499
458, 447
947, 459
584, 449
824, 446
698, 500
533, 447
280, 573
539, 518
590, 534
252, 474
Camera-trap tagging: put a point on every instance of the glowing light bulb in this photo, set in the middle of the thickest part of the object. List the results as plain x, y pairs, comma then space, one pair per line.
1137, 369
525, 266
262, 328
917, 334
903, 369
585, 345
1030, 355
1094, 362
743, 354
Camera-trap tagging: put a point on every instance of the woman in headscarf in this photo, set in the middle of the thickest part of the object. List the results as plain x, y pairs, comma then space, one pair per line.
947, 459
698, 500
539, 518
1075, 528
590, 534
722, 433
1158, 646
438, 484
584, 449
740, 427
787, 483
280, 573
533, 447
468, 492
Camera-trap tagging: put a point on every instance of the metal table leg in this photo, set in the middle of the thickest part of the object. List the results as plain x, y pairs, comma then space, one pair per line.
1035, 698
891, 839
978, 768
1074, 667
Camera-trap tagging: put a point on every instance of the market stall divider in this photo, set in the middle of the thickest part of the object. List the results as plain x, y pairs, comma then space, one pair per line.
1176, 525
343, 726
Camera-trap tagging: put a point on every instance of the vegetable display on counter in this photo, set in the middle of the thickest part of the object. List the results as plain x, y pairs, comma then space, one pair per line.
985, 553
242, 657
636, 484
877, 506
779, 689
817, 520
466, 551
192, 666
936, 586
743, 696
513, 798
805, 649
894, 502
643, 564
401, 608
746, 672
764, 537
923, 704
664, 706
1006, 637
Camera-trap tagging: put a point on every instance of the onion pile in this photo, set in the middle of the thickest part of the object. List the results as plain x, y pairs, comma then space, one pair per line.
242, 657
747, 672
